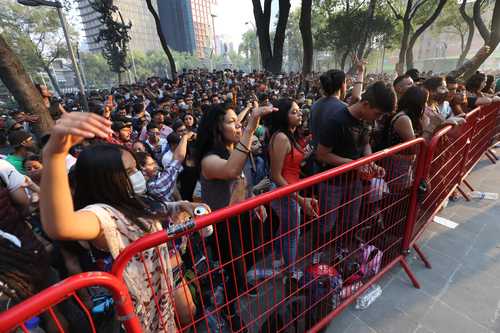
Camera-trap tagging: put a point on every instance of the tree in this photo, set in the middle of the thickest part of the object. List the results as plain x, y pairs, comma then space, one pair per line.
454, 20
36, 36
337, 31
415, 10
163, 41
114, 35
248, 47
306, 33
15, 78
272, 58
490, 36
97, 71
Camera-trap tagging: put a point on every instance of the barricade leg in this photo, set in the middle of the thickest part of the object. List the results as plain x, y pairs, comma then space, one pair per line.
468, 185
465, 195
492, 157
422, 256
493, 153
410, 274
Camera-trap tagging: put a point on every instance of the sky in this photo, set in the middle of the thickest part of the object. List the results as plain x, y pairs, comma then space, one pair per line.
232, 15
230, 21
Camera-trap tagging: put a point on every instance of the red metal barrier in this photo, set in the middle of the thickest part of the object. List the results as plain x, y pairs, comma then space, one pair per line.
356, 238
451, 155
51, 303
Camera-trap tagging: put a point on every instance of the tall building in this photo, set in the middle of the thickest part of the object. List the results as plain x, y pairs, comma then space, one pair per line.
203, 26
177, 24
143, 35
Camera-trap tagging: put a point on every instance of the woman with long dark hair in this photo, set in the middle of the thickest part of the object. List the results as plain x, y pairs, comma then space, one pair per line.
223, 148
107, 211
409, 120
286, 157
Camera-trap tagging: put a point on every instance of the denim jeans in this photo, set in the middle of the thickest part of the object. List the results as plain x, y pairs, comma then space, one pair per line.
332, 197
288, 210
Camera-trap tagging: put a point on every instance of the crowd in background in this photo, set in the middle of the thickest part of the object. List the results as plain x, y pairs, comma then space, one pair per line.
149, 153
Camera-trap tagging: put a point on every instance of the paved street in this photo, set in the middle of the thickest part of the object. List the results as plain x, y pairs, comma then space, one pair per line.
461, 293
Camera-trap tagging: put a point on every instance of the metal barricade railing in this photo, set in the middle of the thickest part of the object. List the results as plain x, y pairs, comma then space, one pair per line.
451, 155
291, 269
66, 307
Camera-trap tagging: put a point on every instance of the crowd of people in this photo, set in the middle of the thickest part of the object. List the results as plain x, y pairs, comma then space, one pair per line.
146, 152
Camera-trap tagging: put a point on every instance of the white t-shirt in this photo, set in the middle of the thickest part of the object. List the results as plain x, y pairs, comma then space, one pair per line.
12, 178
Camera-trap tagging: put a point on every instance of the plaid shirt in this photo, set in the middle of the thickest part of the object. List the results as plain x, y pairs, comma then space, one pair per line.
162, 185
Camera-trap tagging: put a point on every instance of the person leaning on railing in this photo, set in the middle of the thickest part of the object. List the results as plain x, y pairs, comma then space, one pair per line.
223, 148
108, 212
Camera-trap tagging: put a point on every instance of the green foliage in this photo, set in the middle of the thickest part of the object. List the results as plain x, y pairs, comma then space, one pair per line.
114, 35
249, 48
340, 26
35, 35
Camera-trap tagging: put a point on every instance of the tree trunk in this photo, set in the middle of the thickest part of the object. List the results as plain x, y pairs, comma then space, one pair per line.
163, 41
52, 78
262, 22
279, 37
16, 79
420, 30
478, 20
470, 67
470, 34
306, 33
366, 28
344, 59
404, 46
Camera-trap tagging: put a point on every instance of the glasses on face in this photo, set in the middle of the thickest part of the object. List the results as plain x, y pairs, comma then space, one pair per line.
154, 133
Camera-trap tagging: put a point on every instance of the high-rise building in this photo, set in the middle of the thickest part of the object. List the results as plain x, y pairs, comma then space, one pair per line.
203, 26
143, 35
177, 24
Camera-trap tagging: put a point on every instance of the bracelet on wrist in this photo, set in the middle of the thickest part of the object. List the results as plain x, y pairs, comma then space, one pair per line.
241, 143
241, 150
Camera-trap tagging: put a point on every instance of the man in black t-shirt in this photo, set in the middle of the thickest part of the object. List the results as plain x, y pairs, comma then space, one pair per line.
344, 136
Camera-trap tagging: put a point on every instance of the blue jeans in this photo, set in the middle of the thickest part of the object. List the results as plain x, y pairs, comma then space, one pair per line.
285, 244
332, 196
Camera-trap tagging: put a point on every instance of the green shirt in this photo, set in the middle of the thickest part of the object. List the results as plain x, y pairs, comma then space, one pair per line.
17, 162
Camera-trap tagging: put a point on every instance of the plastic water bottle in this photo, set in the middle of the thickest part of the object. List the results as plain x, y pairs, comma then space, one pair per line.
32, 325
484, 195
368, 297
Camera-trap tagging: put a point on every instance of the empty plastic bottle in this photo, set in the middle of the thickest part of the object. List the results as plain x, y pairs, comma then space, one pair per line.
484, 195
368, 297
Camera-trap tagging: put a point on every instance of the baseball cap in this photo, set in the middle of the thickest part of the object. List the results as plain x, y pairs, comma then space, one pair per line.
121, 123
16, 138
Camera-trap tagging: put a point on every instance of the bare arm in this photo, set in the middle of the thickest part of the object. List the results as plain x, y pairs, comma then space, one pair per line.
404, 128
358, 84
59, 218
244, 112
181, 150
214, 167
324, 154
280, 147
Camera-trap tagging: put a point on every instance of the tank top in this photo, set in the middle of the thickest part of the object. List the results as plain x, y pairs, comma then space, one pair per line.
291, 165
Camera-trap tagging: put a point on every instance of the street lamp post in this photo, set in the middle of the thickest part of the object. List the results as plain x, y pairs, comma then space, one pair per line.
56, 4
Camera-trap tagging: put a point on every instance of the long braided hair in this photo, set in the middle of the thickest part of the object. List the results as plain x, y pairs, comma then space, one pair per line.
20, 276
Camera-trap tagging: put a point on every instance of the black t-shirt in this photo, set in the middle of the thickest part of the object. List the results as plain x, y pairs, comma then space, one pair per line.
346, 135
324, 107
